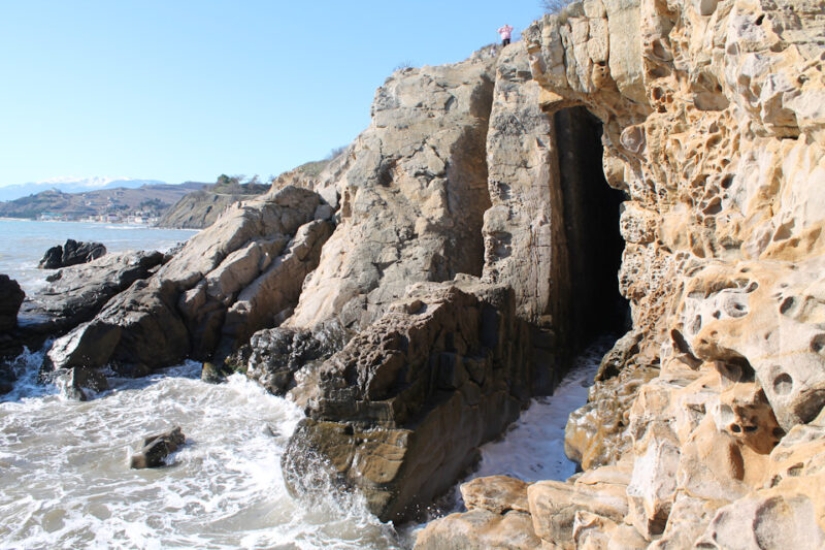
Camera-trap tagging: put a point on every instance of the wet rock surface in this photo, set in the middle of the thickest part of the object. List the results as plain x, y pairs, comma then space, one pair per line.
274, 356
156, 448
11, 298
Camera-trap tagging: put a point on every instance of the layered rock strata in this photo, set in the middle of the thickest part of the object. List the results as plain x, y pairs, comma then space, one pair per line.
705, 425
228, 281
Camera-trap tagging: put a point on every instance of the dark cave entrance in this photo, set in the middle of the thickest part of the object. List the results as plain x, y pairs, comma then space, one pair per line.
591, 213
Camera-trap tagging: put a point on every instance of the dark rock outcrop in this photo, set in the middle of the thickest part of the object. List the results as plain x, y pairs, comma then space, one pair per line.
76, 294
273, 356
11, 297
71, 253
156, 448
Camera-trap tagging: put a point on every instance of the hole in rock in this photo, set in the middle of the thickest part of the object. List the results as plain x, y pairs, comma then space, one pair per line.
591, 213
818, 344
783, 384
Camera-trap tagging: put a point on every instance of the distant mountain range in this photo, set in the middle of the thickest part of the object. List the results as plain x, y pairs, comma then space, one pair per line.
71, 185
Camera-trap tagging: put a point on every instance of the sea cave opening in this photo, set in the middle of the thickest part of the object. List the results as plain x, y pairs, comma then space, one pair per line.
591, 214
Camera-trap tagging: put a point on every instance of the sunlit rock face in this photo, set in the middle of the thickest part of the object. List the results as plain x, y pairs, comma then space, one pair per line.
438, 272
713, 126
412, 198
707, 415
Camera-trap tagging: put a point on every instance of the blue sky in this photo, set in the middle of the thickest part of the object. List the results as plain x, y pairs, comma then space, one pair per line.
178, 90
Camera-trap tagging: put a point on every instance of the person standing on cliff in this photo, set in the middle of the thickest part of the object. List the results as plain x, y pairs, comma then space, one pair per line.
505, 32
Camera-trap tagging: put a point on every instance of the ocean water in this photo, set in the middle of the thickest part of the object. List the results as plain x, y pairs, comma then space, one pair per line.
23, 243
65, 480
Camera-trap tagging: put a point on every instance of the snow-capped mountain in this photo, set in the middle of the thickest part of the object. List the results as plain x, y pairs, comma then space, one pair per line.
71, 185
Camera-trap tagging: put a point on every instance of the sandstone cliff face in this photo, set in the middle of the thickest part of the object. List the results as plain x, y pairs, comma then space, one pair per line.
706, 425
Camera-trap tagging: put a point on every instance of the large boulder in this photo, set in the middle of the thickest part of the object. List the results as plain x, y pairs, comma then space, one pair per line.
71, 253
401, 410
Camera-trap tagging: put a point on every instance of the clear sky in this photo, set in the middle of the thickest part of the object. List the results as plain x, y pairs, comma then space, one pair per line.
178, 90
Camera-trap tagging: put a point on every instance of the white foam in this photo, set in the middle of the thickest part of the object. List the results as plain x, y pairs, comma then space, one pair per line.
533, 447
66, 481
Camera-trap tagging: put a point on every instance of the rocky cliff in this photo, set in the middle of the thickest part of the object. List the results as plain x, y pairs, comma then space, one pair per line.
705, 426
645, 167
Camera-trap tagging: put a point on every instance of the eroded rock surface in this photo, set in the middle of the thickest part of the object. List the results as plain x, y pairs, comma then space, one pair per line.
444, 247
711, 406
450, 183
413, 193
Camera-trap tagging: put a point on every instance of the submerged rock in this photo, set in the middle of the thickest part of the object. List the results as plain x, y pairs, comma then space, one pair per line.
156, 448
79, 383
